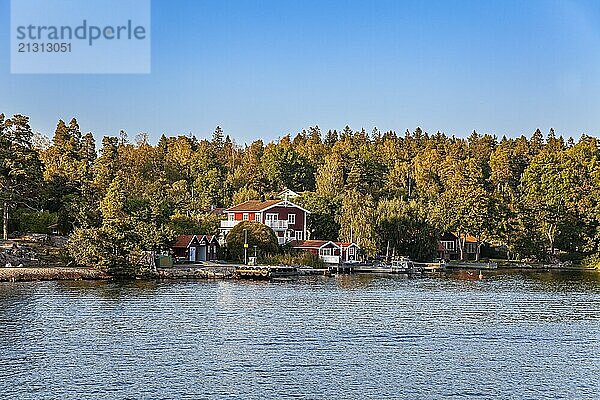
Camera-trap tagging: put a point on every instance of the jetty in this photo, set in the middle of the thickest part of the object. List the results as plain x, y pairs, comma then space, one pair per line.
265, 271
196, 272
432, 266
401, 266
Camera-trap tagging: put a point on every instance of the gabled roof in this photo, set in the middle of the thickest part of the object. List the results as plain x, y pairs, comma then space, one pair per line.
208, 238
183, 241
288, 192
254, 205
311, 244
257, 205
468, 238
346, 244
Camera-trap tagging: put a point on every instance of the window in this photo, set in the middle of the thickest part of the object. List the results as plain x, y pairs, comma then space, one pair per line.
326, 252
257, 217
245, 217
351, 251
448, 245
471, 248
230, 216
271, 217
298, 235
291, 219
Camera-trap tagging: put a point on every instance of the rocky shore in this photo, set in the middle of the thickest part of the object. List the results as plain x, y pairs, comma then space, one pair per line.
50, 274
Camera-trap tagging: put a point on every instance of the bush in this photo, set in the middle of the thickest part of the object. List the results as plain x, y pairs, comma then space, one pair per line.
259, 235
592, 261
34, 221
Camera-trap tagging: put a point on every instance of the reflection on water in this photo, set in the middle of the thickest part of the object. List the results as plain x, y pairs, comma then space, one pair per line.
521, 334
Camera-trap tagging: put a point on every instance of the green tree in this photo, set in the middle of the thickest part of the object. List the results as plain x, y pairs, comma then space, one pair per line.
357, 221
131, 231
404, 229
258, 235
465, 206
20, 167
324, 212
330, 177
244, 194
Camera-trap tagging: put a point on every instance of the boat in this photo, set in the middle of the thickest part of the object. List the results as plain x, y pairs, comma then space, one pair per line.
401, 266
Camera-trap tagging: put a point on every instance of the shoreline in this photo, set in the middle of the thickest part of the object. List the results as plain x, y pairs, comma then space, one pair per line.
192, 272
31, 274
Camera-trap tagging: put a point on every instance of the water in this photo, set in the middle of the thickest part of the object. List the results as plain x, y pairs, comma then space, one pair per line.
513, 335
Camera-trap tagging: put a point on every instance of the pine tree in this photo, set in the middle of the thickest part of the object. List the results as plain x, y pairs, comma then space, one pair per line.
217, 138
88, 149
20, 167
331, 138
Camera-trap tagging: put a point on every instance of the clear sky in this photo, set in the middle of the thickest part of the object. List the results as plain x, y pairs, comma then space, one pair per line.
262, 69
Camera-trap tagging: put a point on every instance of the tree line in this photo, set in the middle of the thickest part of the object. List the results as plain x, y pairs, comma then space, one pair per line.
393, 194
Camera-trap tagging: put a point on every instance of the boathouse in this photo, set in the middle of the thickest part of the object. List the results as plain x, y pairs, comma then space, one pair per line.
328, 251
194, 248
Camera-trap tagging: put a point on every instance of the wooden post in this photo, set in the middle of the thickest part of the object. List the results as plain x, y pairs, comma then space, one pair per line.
5, 221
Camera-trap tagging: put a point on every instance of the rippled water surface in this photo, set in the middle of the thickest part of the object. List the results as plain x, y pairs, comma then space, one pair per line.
512, 335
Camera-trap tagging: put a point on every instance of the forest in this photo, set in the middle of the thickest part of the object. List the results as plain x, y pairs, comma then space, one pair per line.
528, 196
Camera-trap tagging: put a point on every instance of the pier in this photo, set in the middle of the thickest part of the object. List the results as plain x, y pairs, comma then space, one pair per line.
265, 272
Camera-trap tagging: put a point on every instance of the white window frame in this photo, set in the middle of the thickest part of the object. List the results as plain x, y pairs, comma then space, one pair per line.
291, 219
245, 217
351, 250
271, 217
231, 217
257, 217
449, 245
326, 251
299, 235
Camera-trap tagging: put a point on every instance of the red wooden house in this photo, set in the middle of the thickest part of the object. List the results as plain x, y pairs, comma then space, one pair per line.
285, 218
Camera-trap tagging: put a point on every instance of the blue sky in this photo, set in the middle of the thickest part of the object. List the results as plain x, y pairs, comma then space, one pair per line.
262, 69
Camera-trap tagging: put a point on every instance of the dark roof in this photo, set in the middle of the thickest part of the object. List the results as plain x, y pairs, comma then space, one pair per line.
453, 236
254, 205
346, 244
310, 244
183, 241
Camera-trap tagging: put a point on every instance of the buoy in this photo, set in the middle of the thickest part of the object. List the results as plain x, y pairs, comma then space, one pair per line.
480, 275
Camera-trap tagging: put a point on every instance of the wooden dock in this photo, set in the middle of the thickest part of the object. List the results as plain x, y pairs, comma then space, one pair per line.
265, 271
432, 267
403, 266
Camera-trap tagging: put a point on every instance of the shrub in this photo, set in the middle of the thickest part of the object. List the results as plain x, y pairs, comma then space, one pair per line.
592, 261
259, 235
